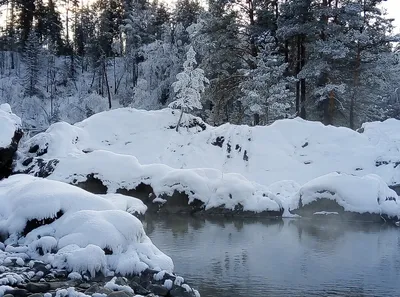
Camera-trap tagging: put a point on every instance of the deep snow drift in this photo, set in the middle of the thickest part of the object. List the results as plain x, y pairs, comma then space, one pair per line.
254, 168
74, 229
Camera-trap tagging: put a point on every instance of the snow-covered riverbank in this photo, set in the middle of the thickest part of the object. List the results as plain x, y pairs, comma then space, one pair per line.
237, 168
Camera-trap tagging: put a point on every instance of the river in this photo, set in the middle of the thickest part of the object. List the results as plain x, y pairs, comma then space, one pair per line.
246, 257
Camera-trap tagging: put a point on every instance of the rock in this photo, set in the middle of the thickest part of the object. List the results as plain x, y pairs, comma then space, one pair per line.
138, 288
105, 291
38, 287
61, 274
7, 154
121, 281
158, 290
18, 292
36, 295
119, 294
178, 291
93, 289
57, 285
39, 266
85, 286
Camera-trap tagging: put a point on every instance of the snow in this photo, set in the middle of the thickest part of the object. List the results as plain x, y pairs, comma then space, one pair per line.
295, 149
210, 186
9, 122
75, 241
367, 194
75, 276
261, 168
168, 284
159, 276
70, 292
126, 203
4, 289
115, 287
179, 280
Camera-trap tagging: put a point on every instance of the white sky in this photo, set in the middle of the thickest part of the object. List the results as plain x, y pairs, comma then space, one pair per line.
393, 9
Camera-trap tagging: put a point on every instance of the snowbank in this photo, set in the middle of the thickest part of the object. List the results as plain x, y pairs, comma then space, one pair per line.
73, 229
126, 203
210, 186
9, 122
295, 149
368, 194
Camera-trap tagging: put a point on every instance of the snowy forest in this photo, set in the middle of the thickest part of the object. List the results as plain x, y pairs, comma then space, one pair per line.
334, 61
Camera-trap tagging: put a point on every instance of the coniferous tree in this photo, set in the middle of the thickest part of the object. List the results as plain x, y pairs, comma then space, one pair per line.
189, 85
31, 56
266, 90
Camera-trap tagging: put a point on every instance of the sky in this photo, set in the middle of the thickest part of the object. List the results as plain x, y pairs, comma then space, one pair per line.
393, 9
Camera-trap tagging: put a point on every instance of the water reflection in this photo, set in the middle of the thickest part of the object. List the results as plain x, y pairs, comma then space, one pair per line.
245, 257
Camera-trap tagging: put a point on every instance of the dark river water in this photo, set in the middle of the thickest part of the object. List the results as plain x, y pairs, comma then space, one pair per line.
255, 258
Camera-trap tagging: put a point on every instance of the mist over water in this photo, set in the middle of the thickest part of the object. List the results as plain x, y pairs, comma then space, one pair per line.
245, 257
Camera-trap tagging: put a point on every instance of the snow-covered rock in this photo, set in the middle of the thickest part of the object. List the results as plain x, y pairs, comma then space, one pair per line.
72, 229
10, 135
294, 149
9, 123
236, 168
127, 203
339, 193
211, 187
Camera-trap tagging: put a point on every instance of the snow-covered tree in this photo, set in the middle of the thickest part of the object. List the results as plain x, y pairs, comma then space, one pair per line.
32, 62
189, 85
266, 92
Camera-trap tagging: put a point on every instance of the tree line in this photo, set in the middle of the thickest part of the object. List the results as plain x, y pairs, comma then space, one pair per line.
329, 60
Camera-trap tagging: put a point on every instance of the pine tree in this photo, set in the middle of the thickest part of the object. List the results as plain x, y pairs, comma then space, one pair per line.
266, 89
32, 59
189, 86
217, 39
187, 12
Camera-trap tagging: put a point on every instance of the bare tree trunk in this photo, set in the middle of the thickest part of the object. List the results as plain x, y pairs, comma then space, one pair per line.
303, 81
256, 119
179, 121
298, 65
356, 82
107, 86
12, 22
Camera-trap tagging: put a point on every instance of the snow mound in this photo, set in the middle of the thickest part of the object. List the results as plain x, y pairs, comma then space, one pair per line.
292, 149
368, 194
24, 198
9, 122
86, 232
126, 203
213, 187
